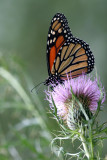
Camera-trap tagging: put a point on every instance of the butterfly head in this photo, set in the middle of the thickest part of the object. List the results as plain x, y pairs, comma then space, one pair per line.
53, 80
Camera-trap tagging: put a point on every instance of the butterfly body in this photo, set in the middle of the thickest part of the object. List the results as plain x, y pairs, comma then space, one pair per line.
67, 56
53, 79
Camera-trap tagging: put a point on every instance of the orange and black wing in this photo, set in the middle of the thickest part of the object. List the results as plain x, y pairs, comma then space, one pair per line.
73, 59
66, 54
57, 36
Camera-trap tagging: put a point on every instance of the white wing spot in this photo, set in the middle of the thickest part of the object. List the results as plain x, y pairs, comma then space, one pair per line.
54, 39
47, 42
50, 41
53, 32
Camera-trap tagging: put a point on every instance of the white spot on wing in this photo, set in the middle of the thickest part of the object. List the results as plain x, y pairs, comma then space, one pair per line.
54, 39
53, 32
50, 41
47, 42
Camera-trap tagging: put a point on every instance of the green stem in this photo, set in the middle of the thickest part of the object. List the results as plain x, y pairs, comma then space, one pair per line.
88, 145
84, 145
91, 142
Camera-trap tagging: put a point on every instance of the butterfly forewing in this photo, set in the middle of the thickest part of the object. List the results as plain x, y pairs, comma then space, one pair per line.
56, 38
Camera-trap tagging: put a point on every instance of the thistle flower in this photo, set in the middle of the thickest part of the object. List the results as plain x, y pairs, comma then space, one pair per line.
84, 90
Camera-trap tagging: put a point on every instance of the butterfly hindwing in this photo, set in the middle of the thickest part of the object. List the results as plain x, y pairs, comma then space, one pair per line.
73, 59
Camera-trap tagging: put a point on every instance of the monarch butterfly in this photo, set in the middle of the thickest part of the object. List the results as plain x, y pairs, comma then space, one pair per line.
67, 56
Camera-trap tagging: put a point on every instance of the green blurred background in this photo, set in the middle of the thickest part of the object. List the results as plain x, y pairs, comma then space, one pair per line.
24, 26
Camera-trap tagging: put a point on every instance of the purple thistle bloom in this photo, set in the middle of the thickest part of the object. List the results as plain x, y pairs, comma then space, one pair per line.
86, 90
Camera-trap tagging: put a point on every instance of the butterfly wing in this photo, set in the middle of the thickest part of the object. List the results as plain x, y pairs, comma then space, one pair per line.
73, 59
57, 36
66, 54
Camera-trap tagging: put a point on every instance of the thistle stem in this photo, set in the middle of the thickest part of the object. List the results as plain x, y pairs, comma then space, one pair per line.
91, 142
84, 145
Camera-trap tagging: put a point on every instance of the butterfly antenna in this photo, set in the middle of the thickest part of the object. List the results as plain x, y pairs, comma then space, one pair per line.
37, 86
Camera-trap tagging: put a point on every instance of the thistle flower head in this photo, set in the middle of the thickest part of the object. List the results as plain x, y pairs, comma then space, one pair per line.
84, 89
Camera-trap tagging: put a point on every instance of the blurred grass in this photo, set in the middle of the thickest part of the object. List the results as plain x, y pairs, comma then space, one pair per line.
25, 126
24, 133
